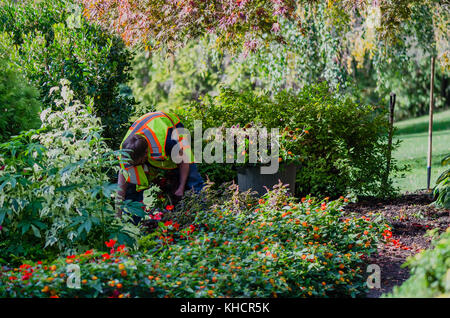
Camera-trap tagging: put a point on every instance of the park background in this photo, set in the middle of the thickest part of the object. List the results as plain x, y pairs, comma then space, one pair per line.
76, 74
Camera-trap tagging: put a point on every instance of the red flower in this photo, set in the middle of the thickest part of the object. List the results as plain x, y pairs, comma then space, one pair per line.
168, 223
110, 243
387, 234
71, 256
88, 252
169, 207
121, 248
106, 256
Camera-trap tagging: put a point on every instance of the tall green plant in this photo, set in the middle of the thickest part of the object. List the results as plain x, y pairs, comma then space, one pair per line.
54, 185
442, 189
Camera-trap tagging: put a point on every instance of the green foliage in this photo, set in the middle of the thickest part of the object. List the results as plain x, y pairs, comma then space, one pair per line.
19, 103
275, 248
430, 272
442, 189
343, 151
330, 45
55, 190
50, 40
170, 81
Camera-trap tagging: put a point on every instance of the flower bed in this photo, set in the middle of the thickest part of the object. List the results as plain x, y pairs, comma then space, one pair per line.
274, 248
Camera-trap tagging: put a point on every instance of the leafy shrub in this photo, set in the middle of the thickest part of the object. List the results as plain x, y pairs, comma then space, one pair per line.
430, 272
274, 248
50, 40
19, 103
442, 189
54, 186
344, 148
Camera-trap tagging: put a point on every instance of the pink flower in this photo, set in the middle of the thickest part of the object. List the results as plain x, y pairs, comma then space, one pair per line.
276, 27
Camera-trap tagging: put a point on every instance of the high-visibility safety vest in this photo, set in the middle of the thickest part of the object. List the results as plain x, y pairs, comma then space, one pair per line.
154, 127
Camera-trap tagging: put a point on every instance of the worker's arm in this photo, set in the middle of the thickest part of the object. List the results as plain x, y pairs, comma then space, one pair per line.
120, 193
184, 174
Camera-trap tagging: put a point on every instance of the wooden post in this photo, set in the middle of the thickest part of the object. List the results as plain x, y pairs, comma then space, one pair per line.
391, 132
430, 123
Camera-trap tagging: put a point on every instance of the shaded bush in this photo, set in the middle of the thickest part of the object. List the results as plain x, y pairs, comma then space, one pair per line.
19, 103
344, 149
50, 40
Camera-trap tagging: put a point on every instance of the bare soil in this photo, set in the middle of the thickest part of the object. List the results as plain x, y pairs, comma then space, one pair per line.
410, 217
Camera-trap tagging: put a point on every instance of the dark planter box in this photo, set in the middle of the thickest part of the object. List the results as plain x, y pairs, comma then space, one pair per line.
251, 178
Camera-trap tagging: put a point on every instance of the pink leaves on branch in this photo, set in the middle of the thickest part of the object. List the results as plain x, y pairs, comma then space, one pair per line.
169, 23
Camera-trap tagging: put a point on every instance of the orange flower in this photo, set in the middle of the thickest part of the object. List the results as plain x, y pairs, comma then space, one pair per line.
123, 273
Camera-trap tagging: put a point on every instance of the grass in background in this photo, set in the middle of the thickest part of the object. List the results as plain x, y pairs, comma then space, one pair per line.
414, 147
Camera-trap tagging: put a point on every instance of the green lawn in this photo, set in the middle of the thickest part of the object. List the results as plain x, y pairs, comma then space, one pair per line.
414, 147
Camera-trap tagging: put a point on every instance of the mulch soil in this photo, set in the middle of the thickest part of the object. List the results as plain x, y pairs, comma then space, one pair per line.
410, 217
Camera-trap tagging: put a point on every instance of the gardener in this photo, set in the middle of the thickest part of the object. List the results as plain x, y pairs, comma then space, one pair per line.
143, 142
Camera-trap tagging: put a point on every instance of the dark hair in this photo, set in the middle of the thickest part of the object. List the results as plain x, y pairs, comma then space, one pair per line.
137, 146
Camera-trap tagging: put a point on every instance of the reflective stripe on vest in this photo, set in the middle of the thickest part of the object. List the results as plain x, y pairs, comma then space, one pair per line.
152, 141
157, 157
